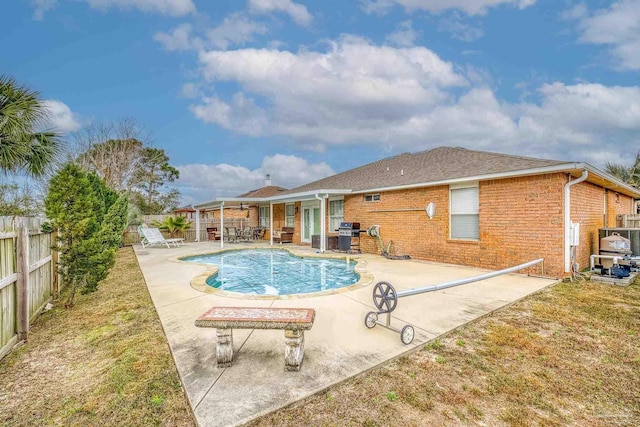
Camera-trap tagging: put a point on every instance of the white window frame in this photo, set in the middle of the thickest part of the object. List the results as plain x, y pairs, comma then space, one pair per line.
335, 219
289, 215
263, 216
372, 197
469, 210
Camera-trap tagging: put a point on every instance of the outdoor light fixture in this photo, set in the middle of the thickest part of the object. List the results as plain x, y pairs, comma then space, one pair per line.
241, 207
431, 210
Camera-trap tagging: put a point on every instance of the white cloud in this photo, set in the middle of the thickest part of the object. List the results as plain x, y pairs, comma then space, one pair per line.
190, 90
61, 118
404, 36
179, 39
297, 12
325, 96
163, 7
199, 183
459, 29
470, 7
617, 27
41, 7
357, 93
235, 29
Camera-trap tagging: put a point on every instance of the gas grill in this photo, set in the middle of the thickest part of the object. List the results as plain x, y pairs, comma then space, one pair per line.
349, 237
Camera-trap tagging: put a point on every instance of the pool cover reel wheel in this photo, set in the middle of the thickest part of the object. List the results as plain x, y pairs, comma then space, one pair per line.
385, 299
407, 334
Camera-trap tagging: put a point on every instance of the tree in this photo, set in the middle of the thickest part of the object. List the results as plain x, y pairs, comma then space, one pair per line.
629, 174
22, 146
18, 200
113, 160
152, 173
173, 224
89, 221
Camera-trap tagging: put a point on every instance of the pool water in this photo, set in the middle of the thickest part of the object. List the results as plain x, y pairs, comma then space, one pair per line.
275, 272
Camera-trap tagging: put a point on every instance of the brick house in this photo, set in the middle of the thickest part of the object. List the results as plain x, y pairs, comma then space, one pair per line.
490, 210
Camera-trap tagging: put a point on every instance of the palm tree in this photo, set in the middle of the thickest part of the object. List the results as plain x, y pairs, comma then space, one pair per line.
22, 146
628, 174
173, 224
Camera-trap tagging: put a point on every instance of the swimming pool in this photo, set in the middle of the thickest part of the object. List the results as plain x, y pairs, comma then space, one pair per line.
276, 272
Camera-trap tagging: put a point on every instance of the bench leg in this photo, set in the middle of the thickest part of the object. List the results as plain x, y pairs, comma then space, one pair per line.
294, 350
224, 347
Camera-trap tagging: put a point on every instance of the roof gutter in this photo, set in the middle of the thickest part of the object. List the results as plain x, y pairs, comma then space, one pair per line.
567, 218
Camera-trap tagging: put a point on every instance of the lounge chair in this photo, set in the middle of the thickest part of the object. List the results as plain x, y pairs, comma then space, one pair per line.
152, 236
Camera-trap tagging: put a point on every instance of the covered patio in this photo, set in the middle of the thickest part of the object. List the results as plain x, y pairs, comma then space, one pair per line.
305, 212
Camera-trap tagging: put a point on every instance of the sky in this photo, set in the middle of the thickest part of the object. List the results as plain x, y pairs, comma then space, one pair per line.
234, 90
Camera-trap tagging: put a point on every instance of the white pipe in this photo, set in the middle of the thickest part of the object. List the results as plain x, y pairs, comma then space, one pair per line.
567, 219
593, 257
446, 285
323, 230
222, 225
197, 225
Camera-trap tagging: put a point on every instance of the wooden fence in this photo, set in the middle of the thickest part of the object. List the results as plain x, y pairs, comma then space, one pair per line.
628, 221
27, 279
131, 237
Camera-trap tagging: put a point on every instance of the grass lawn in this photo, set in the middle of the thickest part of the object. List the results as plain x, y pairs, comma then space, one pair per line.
105, 362
569, 355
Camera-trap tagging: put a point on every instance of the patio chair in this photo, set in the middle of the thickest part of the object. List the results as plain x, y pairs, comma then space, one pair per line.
230, 234
246, 234
152, 236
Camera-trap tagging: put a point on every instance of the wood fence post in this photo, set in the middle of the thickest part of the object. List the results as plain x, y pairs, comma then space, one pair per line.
22, 251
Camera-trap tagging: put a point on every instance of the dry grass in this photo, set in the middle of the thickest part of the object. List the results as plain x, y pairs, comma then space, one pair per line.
104, 362
567, 356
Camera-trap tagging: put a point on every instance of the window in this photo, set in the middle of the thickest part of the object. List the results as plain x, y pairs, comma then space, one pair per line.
264, 216
464, 213
289, 212
336, 214
372, 198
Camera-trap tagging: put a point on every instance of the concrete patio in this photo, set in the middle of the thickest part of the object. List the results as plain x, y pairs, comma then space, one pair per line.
338, 346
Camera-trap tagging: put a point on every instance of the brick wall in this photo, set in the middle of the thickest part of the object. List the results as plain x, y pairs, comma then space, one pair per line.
587, 208
589, 203
521, 219
617, 204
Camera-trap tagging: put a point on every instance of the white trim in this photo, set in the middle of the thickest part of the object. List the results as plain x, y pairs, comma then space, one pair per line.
469, 184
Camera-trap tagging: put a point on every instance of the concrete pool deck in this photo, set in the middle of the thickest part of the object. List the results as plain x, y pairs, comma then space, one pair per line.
338, 346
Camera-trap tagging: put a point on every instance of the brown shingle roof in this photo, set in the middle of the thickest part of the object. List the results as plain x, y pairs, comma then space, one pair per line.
438, 164
268, 191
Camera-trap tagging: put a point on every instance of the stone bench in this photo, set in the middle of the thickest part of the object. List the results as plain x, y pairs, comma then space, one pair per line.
294, 321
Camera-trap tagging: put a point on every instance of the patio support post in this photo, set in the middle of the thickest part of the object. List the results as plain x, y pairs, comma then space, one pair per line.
222, 225
271, 223
197, 224
323, 225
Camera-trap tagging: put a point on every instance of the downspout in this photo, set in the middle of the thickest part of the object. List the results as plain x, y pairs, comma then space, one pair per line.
197, 224
222, 225
323, 220
271, 223
567, 219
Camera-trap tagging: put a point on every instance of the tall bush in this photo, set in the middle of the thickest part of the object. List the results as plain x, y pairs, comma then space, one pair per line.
89, 221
